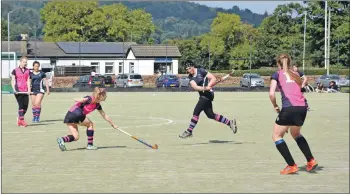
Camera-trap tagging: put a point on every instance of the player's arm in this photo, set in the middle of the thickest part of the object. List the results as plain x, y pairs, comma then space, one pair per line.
272, 95
13, 82
304, 81
29, 84
106, 117
46, 84
196, 87
82, 100
212, 80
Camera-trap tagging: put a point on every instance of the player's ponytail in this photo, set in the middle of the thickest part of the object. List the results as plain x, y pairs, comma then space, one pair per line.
284, 63
99, 93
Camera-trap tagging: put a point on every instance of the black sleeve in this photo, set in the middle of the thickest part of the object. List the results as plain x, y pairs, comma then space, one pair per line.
14, 72
99, 107
274, 76
43, 75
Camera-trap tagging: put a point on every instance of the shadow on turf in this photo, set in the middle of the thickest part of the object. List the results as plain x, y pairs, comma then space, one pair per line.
99, 148
316, 170
38, 124
44, 121
219, 142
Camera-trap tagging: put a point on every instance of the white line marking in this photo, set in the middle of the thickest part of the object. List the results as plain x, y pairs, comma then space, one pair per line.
169, 121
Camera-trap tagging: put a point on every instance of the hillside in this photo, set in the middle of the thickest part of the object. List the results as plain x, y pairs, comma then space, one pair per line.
173, 19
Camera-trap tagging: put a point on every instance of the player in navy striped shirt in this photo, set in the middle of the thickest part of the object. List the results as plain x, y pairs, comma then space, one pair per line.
37, 78
201, 80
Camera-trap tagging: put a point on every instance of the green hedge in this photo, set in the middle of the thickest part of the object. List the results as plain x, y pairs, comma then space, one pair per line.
5, 81
268, 72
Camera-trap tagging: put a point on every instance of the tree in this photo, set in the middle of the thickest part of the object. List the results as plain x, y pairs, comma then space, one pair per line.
190, 50
280, 33
3, 29
66, 21
74, 21
339, 29
141, 25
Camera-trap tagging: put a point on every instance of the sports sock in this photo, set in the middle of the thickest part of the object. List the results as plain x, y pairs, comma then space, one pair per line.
193, 123
68, 138
38, 111
90, 135
283, 149
304, 147
222, 119
34, 111
21, 114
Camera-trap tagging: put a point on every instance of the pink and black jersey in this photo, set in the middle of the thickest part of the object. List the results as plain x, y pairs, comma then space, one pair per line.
290, 90
86, 107
21, 77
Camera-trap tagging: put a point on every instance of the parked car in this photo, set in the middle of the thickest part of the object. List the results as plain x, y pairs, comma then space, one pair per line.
108, 81
345, 82
89, 81
82, 81
129, 80
184, 81
325, 79
167, 80
96, 81
252, 80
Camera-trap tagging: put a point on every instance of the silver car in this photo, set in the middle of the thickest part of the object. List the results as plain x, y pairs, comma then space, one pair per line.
252, 80
184, 81
129, 80
325, 79
345, 82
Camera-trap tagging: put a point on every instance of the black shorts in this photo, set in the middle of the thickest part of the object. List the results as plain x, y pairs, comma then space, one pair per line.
292, 116
37, 91
207, 95
73, 118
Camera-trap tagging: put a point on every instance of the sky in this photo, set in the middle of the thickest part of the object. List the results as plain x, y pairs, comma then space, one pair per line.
254, 6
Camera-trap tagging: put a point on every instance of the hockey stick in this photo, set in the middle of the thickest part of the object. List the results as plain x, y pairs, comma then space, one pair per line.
155, 146
224, 78
16, 92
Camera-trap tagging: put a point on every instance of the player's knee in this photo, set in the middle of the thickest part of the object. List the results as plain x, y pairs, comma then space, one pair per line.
276, 136
211, 116
295, 134
91, 125
76, 137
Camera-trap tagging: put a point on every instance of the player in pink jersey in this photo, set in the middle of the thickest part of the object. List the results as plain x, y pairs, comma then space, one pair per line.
77, 116
21, 83
292, 115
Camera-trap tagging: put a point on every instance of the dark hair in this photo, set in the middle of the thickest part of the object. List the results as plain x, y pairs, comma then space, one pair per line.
189, 63
36, 62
